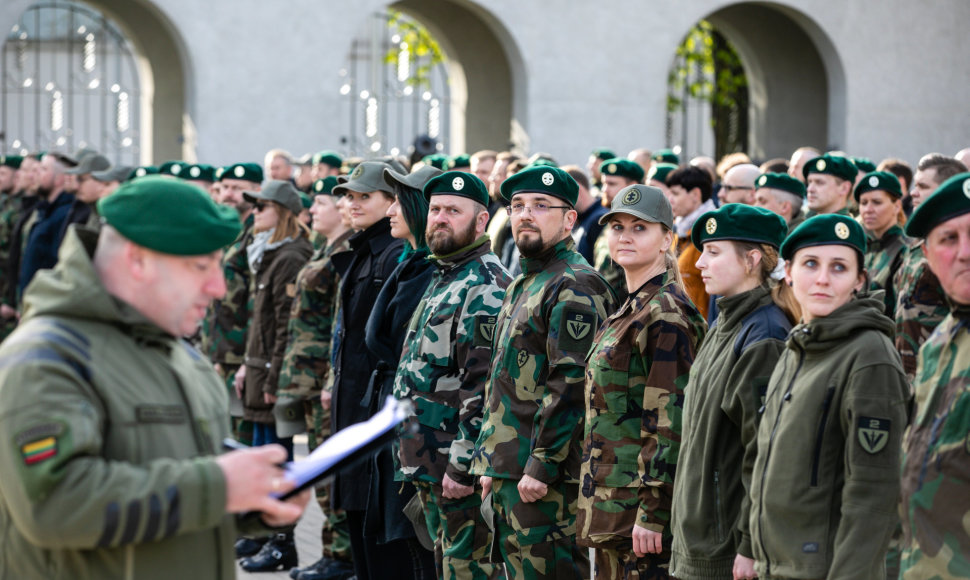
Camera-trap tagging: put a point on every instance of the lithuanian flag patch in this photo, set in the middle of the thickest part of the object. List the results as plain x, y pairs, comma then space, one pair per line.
38, 451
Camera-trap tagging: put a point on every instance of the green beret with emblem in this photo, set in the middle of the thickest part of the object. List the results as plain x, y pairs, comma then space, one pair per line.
199, 172
540, 179
666, 156
951, 199
828, 164
622, 168
462, 160
169, 216
863, 164
458, 183
782, 182
324, 186
543, 162
328, 158
643, 201
11, 161
245, 171
173, 168
142, 172
878, 181
825, 230
660, 171
738, 222
437, 160
602, 153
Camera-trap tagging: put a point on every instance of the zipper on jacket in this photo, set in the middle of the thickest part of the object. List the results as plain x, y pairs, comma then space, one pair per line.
717, 506
816, 457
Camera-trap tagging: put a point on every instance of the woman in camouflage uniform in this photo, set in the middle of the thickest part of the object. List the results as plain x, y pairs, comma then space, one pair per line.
880, 211
636, 372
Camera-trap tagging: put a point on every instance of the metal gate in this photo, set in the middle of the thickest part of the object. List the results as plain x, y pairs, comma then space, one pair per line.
396, 89
68, 80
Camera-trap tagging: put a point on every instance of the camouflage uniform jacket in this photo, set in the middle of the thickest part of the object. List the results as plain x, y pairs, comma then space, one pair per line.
447, 351
825, 485
534, 396
883, 259
936, 457
920, 305
9, 214
635, 378
224, 332
611, 271
306, 363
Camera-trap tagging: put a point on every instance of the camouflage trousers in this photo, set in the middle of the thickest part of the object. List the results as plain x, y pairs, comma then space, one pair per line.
538, 540
461, 538
334, 535
242, 430
621, 563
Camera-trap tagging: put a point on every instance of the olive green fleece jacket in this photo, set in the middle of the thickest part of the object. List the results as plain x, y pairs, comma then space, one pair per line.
825, 486
726, 389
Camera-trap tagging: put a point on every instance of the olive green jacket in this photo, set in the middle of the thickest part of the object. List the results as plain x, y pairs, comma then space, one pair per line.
108, 426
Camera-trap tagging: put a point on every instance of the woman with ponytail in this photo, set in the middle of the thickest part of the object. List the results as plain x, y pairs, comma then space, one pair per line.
726, 388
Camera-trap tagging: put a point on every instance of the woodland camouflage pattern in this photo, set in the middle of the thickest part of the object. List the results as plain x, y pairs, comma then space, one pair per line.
883, 259
224, 328
604, 264
920, 305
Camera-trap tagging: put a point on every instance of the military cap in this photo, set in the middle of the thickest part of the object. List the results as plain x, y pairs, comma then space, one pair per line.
951, 199
539, 179
324, 186
436, 160
622, 168
394, 163
366, 177
660, 171
305, 199
282, 192
878, 181
543, 162
458, 183
831, 165
245, 171
11, 161
416, 180
602, 153
117, 173
825, 230
739, 222
142, 172
643, 201
462, 160
199, 172
781, 181
666, 156
173, 168
863, 164
81, 153
169, 216
89, 164
327, 158
290, 415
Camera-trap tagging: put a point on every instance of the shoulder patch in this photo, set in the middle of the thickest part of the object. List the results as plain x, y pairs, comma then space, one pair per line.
576, 330
873, 434
39, 443
484, 330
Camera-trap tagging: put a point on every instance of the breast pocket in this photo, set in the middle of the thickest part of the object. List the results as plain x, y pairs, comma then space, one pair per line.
609, 370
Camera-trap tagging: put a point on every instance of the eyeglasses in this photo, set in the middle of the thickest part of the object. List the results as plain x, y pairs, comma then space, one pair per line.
259, 206
538, 208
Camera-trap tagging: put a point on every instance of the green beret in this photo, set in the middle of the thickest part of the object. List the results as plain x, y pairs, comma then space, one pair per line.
539, 179
169, 216
328, 158
142, 172
878, 181
602, 153
437, 160
245, 171
173, 168
458, 183
781, 181
739, 222
832, 165
11, 161
660, 171
666, 156
462, 160
642, 201
543, 162
825, 230
199, 172
863, 164
951, 199
622, 168
305, 199
324, 186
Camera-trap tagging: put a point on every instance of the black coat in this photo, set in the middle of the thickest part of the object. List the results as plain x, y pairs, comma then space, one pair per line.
363, 272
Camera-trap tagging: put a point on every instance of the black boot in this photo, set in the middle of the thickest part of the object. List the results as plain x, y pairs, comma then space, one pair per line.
278, 553
249, 546
327, 569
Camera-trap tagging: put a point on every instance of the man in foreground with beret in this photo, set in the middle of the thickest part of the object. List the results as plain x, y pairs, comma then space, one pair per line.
936, 463
109, 422
528, 451
829, 181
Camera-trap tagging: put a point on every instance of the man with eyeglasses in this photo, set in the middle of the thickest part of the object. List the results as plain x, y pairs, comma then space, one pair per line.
528, 452
738, 184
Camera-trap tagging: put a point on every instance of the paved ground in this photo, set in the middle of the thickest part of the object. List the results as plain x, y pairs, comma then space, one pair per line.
307, 531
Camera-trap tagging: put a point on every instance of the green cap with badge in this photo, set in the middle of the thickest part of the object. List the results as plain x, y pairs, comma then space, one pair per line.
282, 192
11, 161
199, 172
951, 199
290, 415
540, 179
622, 168
660, 171
825, 230
782, 182
365, 178
324, 186
173, 168
437, 160
458, 183
878, 181
831, 165
666, 156
863, 164
169, 216
328, 158
738, 222
252, 172
457, 161
643, 201
143, 171
602, 153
